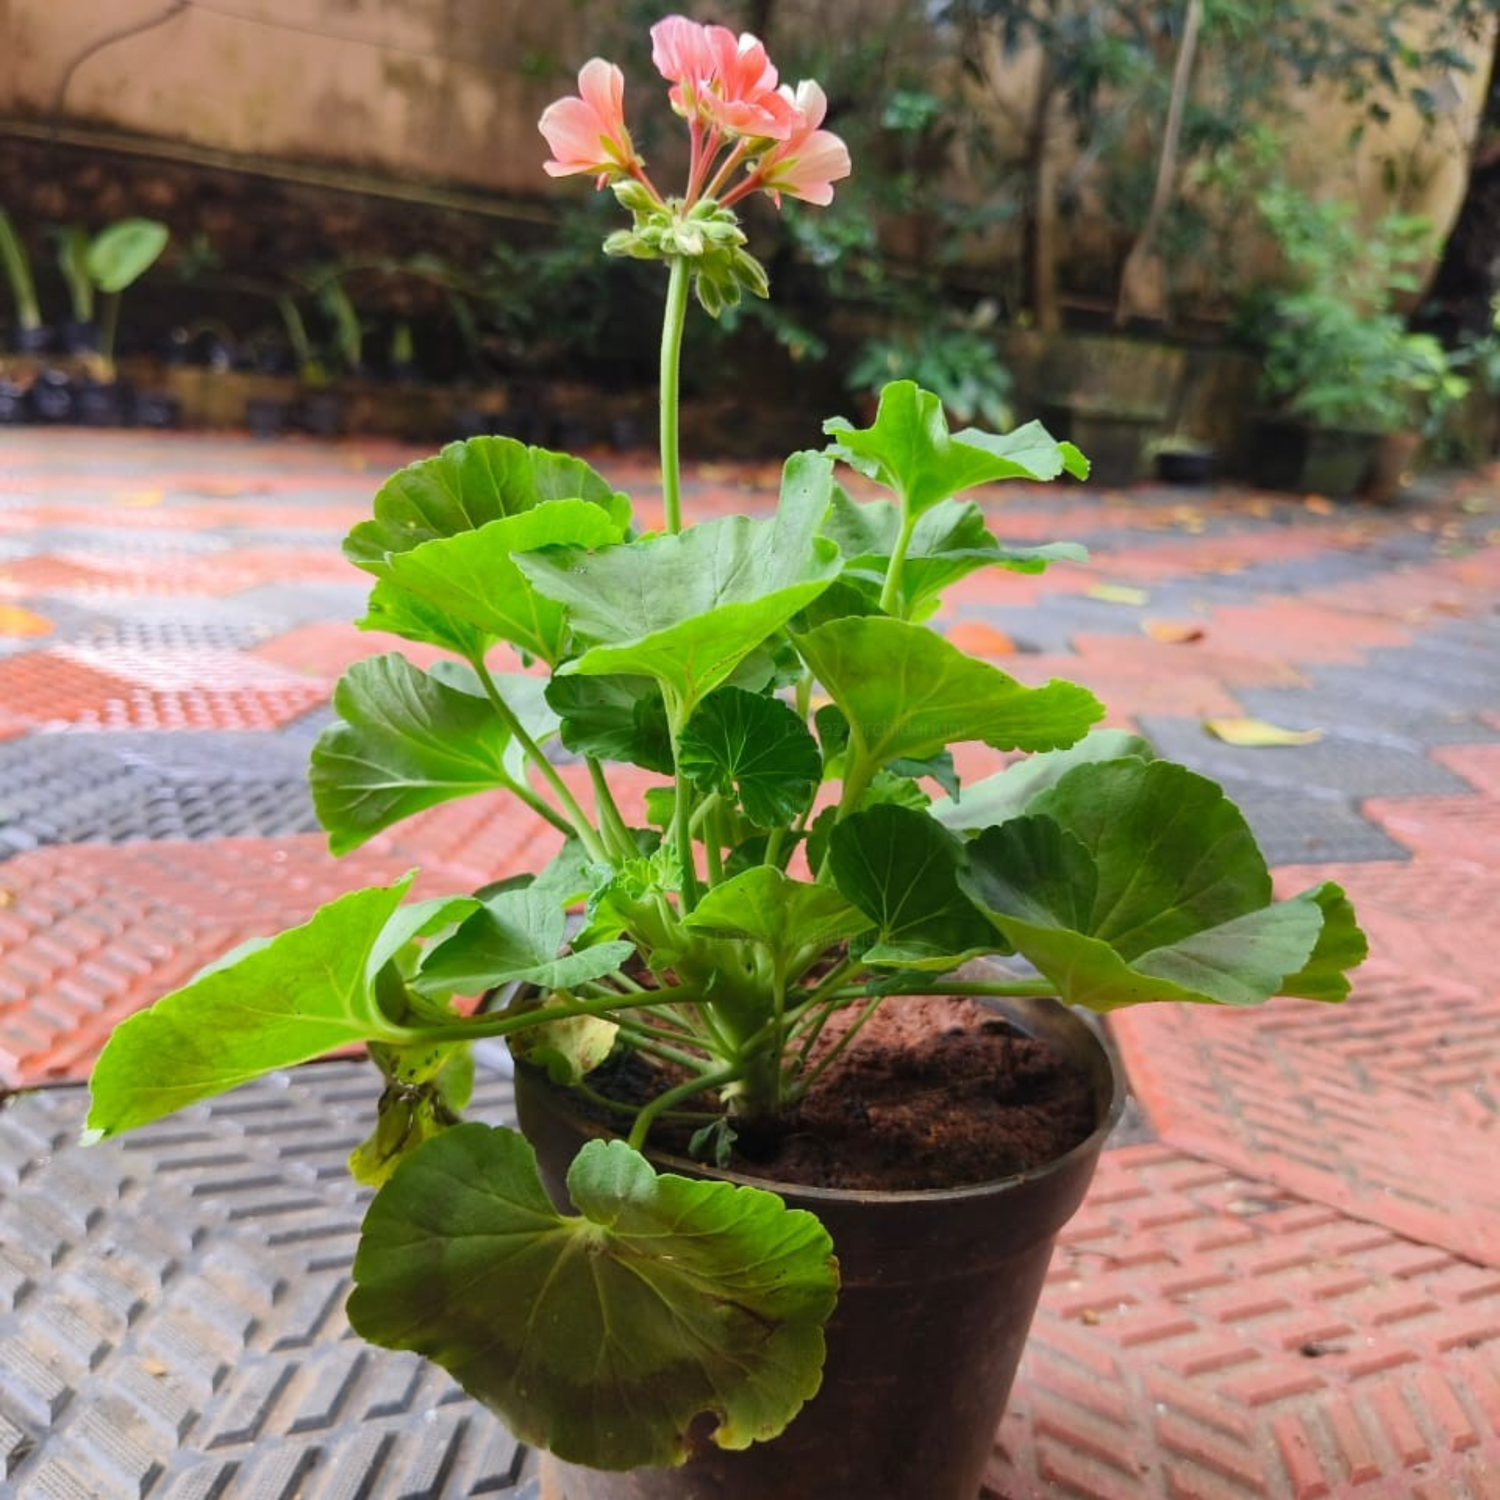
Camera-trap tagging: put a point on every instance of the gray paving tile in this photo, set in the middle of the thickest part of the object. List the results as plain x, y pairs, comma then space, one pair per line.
1342, 763
180, 1329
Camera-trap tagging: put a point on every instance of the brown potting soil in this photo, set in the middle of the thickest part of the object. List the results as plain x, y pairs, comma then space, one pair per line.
933, 1093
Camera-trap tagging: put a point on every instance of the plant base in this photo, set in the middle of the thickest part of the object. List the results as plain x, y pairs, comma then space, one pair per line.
939, 1289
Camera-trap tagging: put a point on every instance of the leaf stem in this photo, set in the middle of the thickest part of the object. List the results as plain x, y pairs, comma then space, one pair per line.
587, 834
890, 595
611, 821
682, 829
663, 1102
671, 362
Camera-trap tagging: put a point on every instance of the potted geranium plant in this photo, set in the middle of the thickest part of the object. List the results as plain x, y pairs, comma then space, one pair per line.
681, 995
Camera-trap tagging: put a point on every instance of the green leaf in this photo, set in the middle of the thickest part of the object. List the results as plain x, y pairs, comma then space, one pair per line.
294, 997
1174, 854
784, 915
408, 741
939, 767
908, 694
471, 577
614, 718
901, 869
124, 252
1129, 882
516, 937
755, 748
949, 542
398, 612
1008, 793
909, 450
1341, 946
467, 485
601, 1337
687, 610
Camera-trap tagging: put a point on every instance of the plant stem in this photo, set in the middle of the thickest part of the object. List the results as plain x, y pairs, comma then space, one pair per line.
663, 1102
890, 595
682, 829
587, 835
611, 820
671, 363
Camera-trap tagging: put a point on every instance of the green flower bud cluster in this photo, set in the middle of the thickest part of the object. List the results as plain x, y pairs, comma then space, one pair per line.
707, 234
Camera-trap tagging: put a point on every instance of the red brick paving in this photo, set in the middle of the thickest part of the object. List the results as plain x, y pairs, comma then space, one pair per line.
91, 690
1294, 1294
1205, 1336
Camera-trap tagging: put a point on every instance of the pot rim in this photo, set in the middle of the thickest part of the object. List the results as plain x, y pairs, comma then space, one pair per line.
1090, 1145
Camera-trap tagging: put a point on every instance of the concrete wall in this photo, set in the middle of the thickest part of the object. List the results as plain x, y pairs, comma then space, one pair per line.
448, 91
436, 89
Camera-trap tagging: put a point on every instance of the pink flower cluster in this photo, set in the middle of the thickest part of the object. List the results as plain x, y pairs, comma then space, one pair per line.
738, 113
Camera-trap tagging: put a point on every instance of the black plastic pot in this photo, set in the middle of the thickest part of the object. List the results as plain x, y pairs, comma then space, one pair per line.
154, 409
322, 414
99, 405
939, 1289
1183, 466
14, 407
80, 338
52, 396
32, 340
266, 417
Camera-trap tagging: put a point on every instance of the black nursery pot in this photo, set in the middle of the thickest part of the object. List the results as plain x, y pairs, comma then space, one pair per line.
155, 409
939, 1290
14, 407
321, 414
80, 338
266, 417
32, 340
52, 396
1181, 467
99, 406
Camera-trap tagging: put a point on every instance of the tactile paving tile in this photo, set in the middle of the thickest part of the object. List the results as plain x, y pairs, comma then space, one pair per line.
1295, 824
1370, 708
171, 1311
303, 603
73, 788
61, 789
127, 541
99, 688
1339, 762
91, 932
1289, 1092
1205, 1336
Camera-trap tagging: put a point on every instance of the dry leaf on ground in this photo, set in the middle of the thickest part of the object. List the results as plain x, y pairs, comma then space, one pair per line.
1173, 632
1118, 593
1258, 733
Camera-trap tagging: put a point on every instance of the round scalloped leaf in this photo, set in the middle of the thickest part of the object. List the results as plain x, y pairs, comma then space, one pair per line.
605, 1336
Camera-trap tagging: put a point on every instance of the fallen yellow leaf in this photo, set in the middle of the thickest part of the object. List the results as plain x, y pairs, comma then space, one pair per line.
1173, 632
1257, 733
1118, 593
1319, 505
140, 499
15, 621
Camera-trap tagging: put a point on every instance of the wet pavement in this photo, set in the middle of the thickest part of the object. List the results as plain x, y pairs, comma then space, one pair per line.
1286, 1282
